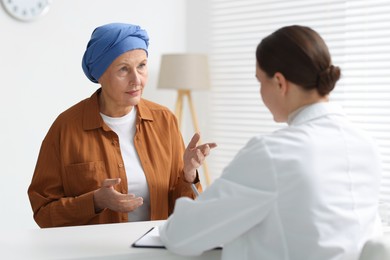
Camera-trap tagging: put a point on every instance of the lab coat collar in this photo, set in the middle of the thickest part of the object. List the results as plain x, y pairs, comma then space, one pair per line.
313, 111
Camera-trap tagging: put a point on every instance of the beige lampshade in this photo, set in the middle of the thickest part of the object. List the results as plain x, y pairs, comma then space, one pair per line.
184, 71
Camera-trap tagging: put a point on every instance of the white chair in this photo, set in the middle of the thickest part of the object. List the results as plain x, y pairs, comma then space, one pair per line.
376, 249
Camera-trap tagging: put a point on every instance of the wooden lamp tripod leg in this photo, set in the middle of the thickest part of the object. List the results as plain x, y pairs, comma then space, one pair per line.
179, 107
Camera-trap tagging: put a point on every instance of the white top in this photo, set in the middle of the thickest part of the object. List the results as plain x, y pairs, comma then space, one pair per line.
124, 127
307, 191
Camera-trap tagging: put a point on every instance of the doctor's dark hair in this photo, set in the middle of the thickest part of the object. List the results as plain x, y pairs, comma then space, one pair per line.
301, 55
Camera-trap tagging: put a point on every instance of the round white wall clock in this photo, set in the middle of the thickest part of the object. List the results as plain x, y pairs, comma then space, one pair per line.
26, 10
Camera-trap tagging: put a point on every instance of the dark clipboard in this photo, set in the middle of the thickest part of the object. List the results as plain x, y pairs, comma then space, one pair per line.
149, 240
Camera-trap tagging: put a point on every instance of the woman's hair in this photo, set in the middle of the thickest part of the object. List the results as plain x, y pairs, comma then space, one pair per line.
301, 55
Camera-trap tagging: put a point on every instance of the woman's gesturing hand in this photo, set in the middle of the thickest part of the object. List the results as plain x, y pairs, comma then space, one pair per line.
194, 156
108, 197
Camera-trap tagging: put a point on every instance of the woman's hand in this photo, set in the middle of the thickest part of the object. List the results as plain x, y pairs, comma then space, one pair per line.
194, 156
108, 197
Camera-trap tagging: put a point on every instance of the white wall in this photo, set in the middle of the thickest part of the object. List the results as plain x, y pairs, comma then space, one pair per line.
41, 76
197, 37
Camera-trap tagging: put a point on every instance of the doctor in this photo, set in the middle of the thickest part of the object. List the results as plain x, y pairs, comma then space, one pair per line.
307, 191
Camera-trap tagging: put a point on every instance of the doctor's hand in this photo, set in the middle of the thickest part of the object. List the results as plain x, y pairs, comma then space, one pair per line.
194, 156
108, 197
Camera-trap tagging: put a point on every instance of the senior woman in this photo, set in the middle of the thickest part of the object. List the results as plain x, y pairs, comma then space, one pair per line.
307, 191
114, 157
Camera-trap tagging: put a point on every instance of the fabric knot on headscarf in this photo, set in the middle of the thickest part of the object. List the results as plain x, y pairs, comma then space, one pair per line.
107, 43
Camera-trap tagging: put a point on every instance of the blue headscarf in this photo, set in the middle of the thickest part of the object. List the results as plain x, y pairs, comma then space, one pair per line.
107, 43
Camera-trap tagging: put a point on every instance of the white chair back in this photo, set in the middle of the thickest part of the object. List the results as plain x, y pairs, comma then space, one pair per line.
376, 249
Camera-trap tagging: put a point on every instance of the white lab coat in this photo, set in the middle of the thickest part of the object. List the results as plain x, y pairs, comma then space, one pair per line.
305, 192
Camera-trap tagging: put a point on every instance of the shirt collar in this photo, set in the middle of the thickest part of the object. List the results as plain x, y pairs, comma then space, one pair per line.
313, 111
92, 118
144, 112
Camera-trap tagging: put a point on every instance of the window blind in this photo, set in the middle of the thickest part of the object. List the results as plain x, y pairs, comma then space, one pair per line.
358, 36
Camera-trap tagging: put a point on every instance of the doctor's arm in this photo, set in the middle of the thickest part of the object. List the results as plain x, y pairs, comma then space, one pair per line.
227, 209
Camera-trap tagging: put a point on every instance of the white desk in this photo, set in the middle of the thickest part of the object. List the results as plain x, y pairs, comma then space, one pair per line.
111, 241
100, 242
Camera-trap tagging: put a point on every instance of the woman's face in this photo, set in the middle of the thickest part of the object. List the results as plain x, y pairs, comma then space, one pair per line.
270, 94
123, 83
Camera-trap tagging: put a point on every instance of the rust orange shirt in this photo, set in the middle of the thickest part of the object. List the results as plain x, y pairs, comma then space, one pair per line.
80, 151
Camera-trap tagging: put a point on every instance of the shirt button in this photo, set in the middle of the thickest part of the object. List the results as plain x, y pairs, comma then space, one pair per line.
120, 165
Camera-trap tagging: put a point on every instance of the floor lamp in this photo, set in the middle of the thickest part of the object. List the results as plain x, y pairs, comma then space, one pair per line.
185, 72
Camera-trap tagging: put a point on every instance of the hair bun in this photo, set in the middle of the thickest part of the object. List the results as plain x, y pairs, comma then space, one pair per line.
326, 79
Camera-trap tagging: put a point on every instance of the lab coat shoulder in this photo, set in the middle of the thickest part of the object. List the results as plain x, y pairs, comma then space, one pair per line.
253, 166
